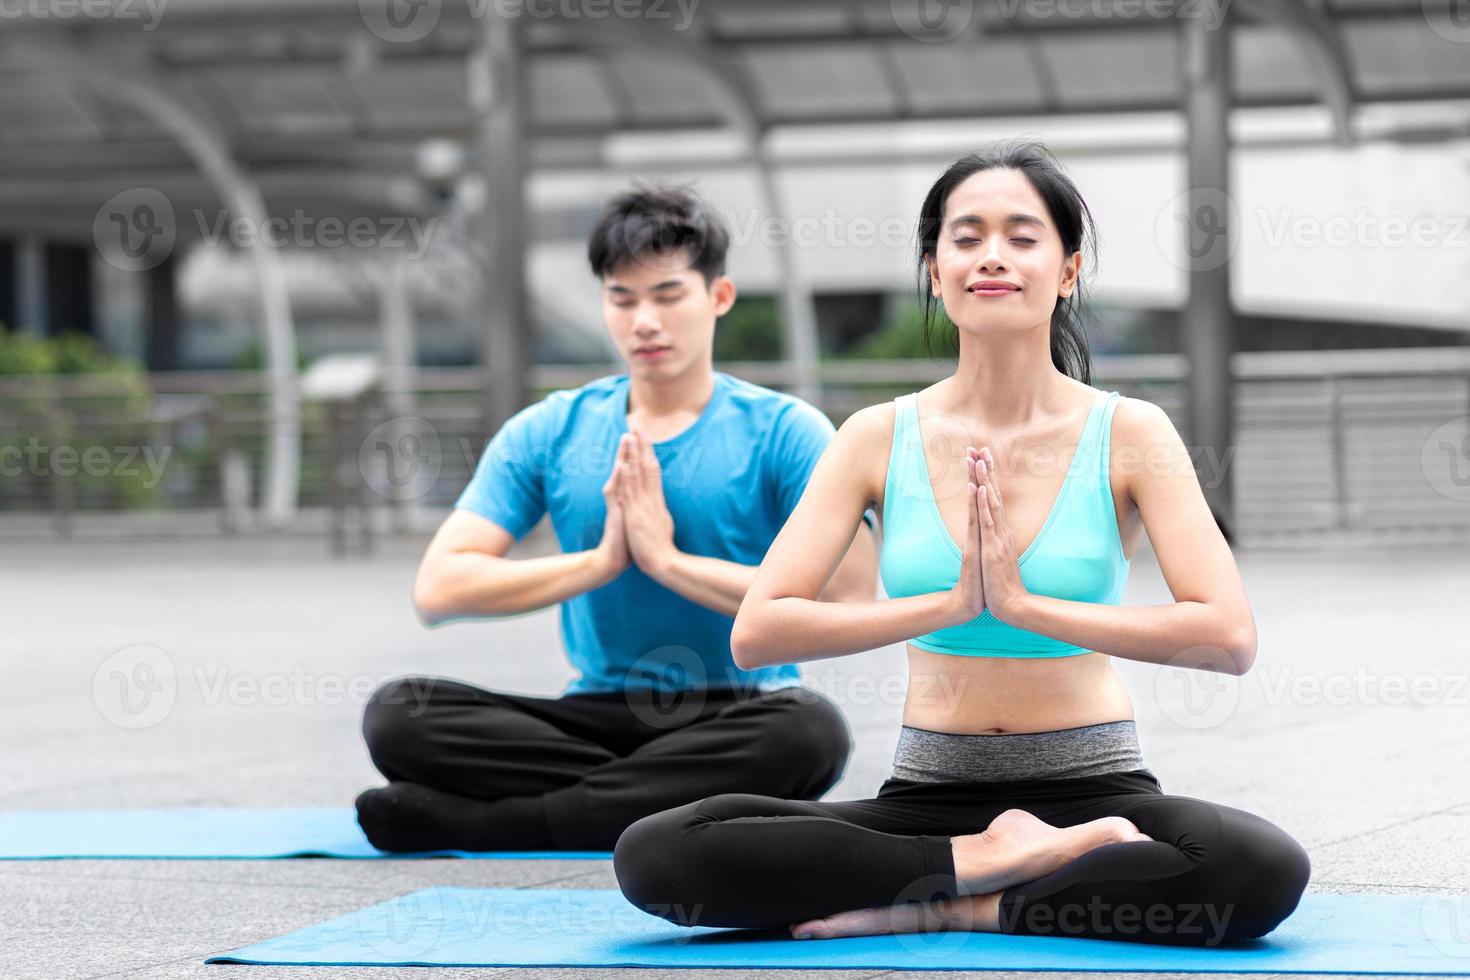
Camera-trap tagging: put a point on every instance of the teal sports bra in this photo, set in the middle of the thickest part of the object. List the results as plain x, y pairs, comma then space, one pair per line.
1077, 554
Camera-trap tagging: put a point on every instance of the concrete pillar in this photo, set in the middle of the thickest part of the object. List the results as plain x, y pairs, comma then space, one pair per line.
161, 316
498, 99
7, 283
209, 148
1208, 321
31, 315
69, 306
395, 312
797, 306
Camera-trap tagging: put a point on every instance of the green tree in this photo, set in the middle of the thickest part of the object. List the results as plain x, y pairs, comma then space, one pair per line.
109, 414
751, 331
902, 337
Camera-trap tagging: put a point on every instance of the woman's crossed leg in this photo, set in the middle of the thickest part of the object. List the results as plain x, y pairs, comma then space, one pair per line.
1074, 860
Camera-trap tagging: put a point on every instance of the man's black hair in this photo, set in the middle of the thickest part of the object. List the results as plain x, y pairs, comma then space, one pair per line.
654, 221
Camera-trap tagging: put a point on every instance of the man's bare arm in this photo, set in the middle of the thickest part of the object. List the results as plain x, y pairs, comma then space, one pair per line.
721, 585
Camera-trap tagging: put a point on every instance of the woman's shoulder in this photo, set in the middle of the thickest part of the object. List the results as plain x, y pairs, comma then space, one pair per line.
1145, 446
862, 447
869, 426
1141, 424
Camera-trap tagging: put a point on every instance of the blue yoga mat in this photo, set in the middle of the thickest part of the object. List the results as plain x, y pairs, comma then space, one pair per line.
586, 927
208, 832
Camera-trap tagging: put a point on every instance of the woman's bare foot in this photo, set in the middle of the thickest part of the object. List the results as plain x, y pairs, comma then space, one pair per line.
1019, 847
970, 913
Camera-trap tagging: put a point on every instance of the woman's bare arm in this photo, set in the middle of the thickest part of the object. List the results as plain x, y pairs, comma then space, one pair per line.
781, 620
1210, 624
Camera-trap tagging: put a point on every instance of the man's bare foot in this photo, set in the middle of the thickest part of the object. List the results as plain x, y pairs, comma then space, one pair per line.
971, 913
1019, 847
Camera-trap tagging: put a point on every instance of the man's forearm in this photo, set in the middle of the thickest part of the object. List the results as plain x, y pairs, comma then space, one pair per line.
471, 585
712, 582
721, 585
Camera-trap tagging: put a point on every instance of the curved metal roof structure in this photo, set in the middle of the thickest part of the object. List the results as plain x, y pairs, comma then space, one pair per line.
319, 107
325, 105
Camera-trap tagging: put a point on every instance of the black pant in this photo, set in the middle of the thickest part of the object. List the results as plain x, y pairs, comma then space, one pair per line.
1211, 874
572, 773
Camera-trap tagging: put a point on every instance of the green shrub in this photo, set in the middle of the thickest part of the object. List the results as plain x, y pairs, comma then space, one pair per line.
35, 421
750, 331
902, 337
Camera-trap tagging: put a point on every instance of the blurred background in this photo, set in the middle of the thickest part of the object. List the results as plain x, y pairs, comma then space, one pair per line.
273, 271
282, 267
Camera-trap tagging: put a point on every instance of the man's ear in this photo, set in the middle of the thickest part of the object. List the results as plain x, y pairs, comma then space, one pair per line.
723, 290
1070, 271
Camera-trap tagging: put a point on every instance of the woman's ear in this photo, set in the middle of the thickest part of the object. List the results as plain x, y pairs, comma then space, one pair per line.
1070, 270
933, 274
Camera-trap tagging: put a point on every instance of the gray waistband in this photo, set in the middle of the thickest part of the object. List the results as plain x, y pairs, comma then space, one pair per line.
1093, 750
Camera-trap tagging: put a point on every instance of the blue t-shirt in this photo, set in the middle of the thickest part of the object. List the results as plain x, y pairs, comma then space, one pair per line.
730, 481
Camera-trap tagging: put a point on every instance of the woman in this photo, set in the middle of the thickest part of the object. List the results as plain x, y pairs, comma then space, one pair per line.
1019, 800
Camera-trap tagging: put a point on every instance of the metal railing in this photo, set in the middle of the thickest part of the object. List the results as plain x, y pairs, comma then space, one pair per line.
1370, 440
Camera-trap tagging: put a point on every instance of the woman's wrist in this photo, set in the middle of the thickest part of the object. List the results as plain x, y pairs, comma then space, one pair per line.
954, 610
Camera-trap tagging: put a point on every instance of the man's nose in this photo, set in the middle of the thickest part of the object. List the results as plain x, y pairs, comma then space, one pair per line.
644, 320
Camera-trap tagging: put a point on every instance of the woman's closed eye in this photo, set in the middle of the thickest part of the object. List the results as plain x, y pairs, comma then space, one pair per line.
973, 241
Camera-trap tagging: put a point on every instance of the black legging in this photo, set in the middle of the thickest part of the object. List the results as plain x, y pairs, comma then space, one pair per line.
1211, 874
479, 770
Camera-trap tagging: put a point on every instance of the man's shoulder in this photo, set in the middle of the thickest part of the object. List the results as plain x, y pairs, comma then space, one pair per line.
770, 407
603, 389
560, 407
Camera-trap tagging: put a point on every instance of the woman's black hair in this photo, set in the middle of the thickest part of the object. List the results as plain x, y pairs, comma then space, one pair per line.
647, 221
1069, 213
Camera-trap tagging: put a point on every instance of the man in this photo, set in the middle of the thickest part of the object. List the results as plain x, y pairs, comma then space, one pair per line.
665, 486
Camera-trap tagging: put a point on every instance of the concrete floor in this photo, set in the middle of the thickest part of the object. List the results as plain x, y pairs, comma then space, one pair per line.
1352, 732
